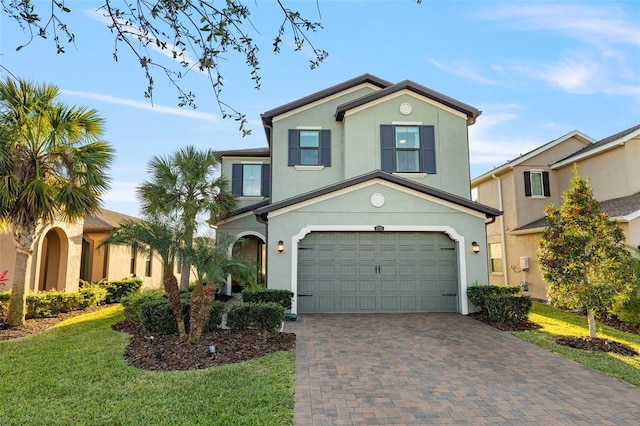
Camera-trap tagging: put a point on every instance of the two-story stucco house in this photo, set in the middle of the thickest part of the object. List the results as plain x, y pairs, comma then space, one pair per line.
524, 186
361, 201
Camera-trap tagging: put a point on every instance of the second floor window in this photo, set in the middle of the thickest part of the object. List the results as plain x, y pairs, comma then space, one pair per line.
495, 258
250, 180
309, 147
408, 149
536, 184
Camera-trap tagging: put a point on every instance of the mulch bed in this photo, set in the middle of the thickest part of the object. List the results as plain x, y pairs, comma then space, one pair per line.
170, 353
506, 326
597, 344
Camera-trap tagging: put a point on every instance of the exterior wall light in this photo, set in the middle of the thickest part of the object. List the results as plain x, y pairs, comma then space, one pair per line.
280, 246
475, 247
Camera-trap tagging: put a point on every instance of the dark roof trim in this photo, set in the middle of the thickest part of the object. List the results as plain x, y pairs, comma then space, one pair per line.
267, 117
600, 143
246, 209
471, 112
378, 174
251, 152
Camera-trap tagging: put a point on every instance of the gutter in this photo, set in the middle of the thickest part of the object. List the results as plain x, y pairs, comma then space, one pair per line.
502, 233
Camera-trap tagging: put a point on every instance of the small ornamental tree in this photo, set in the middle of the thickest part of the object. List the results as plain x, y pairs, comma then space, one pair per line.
582, 255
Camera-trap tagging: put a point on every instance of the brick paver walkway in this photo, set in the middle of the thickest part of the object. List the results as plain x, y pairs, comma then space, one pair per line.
408, 369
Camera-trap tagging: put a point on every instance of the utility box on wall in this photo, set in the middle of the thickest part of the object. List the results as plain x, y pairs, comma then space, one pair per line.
524, 263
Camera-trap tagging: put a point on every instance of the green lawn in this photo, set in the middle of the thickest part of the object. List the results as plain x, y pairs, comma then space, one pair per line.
557, 323
75, 374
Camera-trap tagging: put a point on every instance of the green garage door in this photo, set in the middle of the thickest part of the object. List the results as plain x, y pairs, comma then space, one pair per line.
377, 272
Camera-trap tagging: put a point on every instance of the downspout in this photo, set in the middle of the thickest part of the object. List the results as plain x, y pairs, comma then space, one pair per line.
502, 233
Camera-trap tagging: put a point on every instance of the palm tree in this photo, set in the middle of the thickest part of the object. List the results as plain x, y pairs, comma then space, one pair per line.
187, 183
52, 166
163, 239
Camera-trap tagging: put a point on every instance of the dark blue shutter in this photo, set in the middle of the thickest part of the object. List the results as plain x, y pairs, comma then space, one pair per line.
388, 148
294, 146
428, 148
266, 177
236, 179
545, 184
527, 184
325, 148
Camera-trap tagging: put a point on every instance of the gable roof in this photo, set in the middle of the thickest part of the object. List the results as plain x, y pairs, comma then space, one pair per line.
251, 152
378, 174
536, 151
267, 117
602, 145
616, 208
471, 112
105, 220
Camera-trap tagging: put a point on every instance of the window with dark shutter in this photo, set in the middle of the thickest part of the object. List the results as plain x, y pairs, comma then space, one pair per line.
536, 184
407, 149
309, 147
250, 180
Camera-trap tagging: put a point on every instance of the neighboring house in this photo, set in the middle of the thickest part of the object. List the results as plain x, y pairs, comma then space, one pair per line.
65, 252
523, 187
361, 201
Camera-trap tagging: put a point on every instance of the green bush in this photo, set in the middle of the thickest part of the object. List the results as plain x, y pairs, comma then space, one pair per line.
134, 301
4, 305
92, 295
264, 316
503, 308
281, 297
51, 303
478, 294
156, 315
629, 311
118, 289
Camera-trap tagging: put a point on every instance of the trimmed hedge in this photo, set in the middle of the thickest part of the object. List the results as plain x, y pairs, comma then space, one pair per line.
118, 289
500, 303
281, 297
5, 296
264, 316
134, 301
157, 316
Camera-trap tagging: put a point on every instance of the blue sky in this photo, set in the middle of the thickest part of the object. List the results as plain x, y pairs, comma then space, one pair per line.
537, 70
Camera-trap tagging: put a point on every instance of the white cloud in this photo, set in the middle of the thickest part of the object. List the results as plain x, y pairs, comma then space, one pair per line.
182, 112
463, 70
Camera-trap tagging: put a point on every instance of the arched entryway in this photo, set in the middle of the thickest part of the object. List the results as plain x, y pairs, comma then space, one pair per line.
53, 255
253, 247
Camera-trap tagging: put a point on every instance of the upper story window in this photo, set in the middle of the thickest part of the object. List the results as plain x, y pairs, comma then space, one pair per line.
309, 147
495, 258
408, 148
536, 184
250, 180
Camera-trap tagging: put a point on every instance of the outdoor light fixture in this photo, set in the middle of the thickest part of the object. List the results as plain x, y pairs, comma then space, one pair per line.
475, 247
280, 246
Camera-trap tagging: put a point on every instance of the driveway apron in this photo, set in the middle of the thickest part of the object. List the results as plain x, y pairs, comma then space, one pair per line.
408, 369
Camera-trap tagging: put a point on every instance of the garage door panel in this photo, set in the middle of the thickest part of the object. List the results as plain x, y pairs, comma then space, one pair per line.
377, 272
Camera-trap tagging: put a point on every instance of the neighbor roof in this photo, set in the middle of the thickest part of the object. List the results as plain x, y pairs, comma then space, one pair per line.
105, 220
378, 174
471, 112
251, 152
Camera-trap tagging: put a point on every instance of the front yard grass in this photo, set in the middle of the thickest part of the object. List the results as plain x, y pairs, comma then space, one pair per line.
75, 374
558, 323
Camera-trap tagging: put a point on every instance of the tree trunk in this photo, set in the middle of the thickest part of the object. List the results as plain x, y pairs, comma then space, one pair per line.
185, 272
201, 301
591, 318
173, 294
18, 301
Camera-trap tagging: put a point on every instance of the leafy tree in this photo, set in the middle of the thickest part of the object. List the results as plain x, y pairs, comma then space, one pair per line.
186, 185
210, 31
162, 238
582, 255
53, 165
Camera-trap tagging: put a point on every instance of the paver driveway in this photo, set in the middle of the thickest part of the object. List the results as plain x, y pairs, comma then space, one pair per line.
371, 369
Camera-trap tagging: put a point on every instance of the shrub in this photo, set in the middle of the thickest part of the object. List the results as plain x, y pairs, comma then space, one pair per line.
508, 308
281, 297
51, 303
157, 316
4, 305
116, 290
478, 294
264, 316
92, 295
629, 311
134, 301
